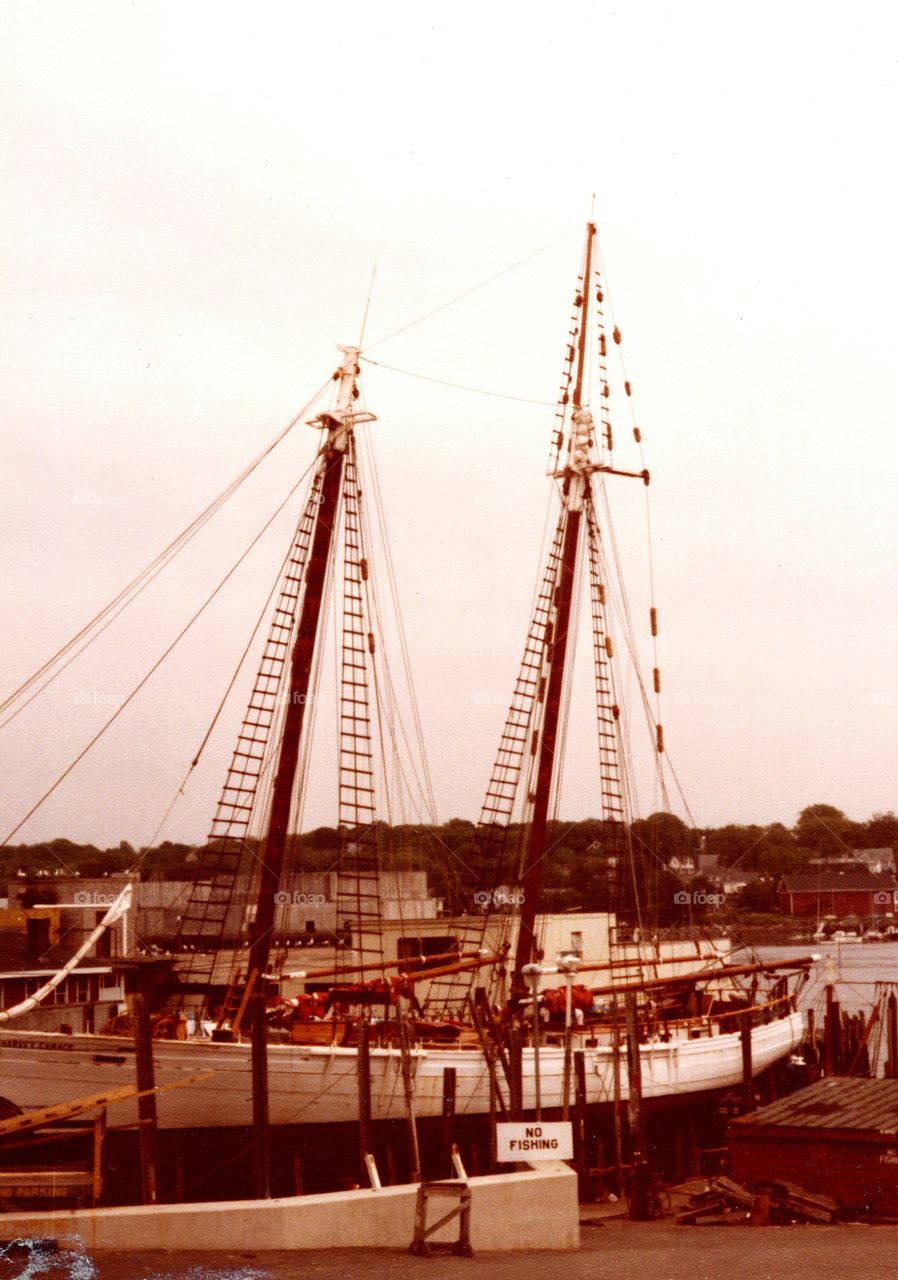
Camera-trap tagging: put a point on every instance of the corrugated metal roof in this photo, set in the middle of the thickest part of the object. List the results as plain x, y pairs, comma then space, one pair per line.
837, 1103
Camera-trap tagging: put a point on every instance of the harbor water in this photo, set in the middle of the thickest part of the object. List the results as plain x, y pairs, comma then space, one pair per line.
855, 967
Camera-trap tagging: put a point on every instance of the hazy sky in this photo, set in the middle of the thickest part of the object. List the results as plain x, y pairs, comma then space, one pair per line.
194, 196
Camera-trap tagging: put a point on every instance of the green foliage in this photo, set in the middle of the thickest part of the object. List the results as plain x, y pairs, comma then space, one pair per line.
881, 832
577, 873
825, 830
760, 895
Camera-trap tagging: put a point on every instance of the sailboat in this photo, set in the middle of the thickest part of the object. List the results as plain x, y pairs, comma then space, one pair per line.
452, 1009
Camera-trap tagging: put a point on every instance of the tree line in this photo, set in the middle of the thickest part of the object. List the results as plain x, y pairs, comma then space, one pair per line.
579, 874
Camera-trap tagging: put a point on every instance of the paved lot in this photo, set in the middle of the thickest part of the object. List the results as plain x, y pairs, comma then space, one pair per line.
615, 1250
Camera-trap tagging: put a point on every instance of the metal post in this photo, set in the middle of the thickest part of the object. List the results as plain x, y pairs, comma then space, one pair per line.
260, 1097
568, 967
536, 1080
146, 1105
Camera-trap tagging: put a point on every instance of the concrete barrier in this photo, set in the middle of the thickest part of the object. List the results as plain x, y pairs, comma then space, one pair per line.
536, 1209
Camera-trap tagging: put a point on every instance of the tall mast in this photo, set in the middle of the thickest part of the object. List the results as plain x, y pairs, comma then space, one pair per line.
574, 488
338, 426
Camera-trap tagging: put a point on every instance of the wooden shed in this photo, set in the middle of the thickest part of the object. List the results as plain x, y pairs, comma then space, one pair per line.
838, 1137
838, 893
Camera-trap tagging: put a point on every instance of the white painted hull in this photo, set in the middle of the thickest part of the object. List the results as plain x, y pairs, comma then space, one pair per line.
317, 1084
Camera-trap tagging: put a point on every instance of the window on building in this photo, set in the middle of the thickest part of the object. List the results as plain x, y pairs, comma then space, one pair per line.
426, 953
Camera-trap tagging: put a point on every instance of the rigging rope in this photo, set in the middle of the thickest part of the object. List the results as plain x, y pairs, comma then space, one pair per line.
92, 630
474, 288
458, 386
157, 664
418, 755
227, 693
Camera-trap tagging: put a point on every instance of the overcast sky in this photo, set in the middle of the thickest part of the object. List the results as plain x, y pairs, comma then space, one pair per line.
194, 196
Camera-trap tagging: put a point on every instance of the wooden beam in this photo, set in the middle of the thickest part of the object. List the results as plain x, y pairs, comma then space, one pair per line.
80, 1106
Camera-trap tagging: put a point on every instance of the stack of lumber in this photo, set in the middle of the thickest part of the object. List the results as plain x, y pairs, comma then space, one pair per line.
727, 1203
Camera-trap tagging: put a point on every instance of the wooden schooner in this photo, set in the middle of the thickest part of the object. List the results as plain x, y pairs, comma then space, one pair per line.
460, 1007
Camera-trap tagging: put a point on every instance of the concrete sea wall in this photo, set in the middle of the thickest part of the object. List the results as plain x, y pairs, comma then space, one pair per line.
535, 1209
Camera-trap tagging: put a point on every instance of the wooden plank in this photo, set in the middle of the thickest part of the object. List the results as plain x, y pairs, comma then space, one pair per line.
45, 1178
802, 1209
733, 1192
700, 1210
65, 1110
80, 1106
723, 1219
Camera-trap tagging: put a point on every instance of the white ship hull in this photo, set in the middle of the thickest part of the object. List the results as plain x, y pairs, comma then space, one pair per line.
318, 1084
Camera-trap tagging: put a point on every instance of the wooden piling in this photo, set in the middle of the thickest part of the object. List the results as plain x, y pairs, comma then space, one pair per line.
634, 1079
616, 1113
409, 1088
828, 1063
860, 1063
259, 1058
892, 1035
580, 1140
836, 1036
146, 1104
515, 1072
694, 1156
814, 1050
748, 1082
447, 1135
99, 1136
363, 1066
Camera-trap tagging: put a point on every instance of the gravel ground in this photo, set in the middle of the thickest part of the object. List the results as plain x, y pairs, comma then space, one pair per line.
614, 1250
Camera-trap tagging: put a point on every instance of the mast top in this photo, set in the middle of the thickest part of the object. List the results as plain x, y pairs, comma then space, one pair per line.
340, 422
